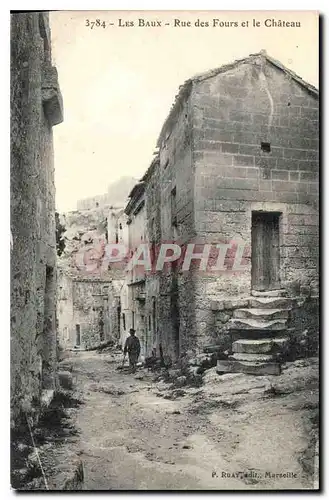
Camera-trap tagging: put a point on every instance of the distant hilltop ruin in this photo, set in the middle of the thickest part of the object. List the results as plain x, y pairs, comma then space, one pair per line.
116, 196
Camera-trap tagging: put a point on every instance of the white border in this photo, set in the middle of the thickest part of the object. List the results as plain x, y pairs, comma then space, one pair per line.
321, 6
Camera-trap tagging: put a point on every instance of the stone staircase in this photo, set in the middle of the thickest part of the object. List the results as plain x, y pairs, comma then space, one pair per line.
259, 335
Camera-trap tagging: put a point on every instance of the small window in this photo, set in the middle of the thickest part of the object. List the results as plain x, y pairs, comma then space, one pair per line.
265, 147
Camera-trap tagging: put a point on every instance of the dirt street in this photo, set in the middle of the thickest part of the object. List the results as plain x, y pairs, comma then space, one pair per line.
233, 432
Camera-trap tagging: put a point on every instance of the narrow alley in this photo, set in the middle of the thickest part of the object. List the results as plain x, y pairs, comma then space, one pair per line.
232, 432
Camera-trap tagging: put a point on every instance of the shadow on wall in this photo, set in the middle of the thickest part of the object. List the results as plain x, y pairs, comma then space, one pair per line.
304, 339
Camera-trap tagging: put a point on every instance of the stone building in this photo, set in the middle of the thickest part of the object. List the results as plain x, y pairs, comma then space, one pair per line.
35, 106
89, 286
237, 167
134, 298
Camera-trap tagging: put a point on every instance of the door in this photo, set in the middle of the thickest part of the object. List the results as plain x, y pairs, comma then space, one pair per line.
77, 336
265, 251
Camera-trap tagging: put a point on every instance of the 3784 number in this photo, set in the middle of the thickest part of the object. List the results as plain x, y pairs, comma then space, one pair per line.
95, 24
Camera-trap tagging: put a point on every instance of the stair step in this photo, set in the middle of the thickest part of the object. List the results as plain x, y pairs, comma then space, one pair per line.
262, 358
269, 293
252, 368
270, 302
256, 324
265, 346
259, 313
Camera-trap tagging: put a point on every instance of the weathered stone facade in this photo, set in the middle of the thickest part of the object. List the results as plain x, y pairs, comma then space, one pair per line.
88, 306
238, 152
36, 106
135, 278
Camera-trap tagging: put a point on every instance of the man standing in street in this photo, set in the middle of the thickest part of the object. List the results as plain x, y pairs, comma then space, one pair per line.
133, 348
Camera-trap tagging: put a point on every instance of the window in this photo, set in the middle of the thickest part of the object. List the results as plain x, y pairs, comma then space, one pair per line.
265, 147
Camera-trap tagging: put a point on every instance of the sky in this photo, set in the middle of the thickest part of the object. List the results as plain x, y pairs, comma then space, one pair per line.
119, 82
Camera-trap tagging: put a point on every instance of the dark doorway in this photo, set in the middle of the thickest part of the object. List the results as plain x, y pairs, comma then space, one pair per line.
265, 251
77, 335
119, 321
101, 326
174, 309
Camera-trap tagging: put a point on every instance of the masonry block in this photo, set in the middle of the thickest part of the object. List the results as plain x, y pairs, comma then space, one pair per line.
264, 346
240, 116
240, 160
280, 175
252, 368
230, 148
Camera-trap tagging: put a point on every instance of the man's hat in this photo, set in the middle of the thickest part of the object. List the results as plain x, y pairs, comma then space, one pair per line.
132, 330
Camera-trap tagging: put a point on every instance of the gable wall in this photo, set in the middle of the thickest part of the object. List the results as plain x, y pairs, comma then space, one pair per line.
233, 113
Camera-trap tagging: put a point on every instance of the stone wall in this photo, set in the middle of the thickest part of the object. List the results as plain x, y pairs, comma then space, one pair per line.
65, 312
92, 304
135, 277
35, 106
154, 322
117, 229
170, 201
115, 310
90, 312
